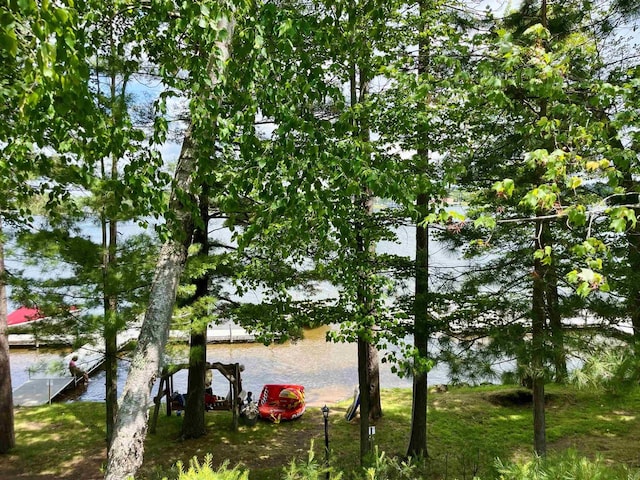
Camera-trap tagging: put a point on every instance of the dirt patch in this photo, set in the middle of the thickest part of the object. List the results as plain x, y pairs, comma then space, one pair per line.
523, 397
510, 398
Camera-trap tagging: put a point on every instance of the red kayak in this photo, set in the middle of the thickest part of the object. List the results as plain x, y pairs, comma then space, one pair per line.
281, 402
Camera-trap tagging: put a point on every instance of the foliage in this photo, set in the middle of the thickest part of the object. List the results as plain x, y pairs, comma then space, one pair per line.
539, 178
310, 469
44, 96
385, 467
64, 268
205, 471
569, 465
614, 369
524, 116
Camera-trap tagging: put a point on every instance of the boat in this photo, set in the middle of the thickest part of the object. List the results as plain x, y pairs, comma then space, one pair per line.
281, 402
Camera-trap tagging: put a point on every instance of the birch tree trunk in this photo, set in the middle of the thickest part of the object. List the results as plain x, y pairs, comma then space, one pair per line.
127, 447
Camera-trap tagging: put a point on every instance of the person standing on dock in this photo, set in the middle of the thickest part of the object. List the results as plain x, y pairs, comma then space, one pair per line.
76, 371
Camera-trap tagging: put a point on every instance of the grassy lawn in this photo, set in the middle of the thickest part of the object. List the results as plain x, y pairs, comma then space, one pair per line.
468, 429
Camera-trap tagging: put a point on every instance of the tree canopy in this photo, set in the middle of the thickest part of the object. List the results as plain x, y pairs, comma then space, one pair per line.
315, 129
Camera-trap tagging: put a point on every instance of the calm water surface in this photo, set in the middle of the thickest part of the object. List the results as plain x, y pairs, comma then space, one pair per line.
328, 371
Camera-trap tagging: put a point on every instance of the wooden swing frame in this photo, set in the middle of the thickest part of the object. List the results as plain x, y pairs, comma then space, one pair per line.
231, 371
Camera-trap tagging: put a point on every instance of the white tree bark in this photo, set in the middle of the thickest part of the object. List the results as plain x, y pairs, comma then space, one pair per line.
127, 447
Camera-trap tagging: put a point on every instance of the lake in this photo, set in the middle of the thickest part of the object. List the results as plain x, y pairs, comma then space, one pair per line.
328, 371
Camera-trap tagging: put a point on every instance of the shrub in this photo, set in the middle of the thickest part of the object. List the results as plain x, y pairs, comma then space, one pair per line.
391, 468
310, 469
615, 370
204, 471
383, 468
567, 466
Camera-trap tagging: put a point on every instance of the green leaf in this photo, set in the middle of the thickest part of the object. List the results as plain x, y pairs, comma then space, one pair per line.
9, 42
504, 188
574, 182
618, 225
537, 31
485, 221
577, 215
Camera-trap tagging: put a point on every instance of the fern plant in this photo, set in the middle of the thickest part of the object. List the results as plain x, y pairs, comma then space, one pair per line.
205, 471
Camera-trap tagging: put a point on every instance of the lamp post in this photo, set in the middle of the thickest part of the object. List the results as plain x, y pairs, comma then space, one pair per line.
325, 414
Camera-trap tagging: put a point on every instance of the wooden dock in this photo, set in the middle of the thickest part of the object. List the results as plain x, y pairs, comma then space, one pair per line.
39, 391
42, 389
218, 334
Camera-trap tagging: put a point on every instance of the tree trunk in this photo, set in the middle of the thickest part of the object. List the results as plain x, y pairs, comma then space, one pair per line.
127, 447
7, 433
537, 349
373, 369
111, 372
365, 399
418, 439
368, 365
538, 313
555, 325
193, 425
109, 246
110, 328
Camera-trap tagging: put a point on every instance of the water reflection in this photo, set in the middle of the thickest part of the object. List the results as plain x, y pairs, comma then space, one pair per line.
327, 370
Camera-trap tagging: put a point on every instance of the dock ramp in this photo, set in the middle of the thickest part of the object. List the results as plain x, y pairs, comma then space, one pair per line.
42, 389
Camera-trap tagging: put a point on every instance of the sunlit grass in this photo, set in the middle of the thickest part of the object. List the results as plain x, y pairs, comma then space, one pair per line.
468, 429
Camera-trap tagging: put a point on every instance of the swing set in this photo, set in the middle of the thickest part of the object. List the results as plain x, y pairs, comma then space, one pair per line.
232, 401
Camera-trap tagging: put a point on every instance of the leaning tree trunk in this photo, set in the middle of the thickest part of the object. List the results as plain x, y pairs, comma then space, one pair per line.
127, 446
7, 434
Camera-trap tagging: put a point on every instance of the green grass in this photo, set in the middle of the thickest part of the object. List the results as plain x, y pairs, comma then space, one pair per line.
469, 428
